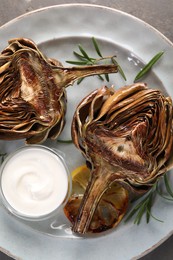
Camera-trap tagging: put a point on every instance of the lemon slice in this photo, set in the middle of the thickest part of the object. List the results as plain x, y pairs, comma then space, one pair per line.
111, 208
80, 177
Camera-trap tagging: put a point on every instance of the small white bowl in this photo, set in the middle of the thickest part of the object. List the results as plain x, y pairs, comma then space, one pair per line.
34, 182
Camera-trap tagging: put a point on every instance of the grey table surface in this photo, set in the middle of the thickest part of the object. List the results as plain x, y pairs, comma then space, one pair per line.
158, 13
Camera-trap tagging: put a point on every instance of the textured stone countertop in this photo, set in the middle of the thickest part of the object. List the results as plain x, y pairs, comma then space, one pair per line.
158, 13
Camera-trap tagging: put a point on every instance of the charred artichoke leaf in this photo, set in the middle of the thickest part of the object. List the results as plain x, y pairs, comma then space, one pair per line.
126, 135
33, 91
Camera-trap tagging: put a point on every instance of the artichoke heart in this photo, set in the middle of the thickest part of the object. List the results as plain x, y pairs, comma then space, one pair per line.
33, 91
126, 136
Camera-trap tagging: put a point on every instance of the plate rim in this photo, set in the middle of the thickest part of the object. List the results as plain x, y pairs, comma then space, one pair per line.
42, 9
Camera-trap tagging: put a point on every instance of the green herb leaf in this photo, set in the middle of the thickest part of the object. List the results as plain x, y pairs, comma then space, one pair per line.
100, 77
168, 188
64, 141
79, 56
119, 69
131, 214
148, 207
96, 47
84, 52
148, 66
107, 77
134, 210
79, 81
157, 219
77, 62
161, 194
140, 213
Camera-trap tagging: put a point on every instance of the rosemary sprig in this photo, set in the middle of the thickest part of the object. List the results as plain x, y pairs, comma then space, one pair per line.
85, 59
148, 66
145, 205
64, 141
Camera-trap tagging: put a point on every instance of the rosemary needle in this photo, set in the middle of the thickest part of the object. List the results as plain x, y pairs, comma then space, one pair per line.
78, 55
74, 62
65, 141
162, 195
79, 81
148, 66
119, 68
85, 55
97, 47
167, 185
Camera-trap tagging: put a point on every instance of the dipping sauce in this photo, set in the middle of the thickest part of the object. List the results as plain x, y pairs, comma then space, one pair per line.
34, 181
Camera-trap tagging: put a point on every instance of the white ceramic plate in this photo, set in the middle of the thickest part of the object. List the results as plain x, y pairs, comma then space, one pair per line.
57, 30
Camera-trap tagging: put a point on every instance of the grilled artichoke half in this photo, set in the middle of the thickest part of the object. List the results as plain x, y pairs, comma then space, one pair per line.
126, 136
32, 91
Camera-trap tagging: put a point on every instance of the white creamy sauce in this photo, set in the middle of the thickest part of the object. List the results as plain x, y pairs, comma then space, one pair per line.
34, 182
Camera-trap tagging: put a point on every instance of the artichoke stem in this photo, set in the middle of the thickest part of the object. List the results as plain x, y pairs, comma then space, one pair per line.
98, 184
75, 73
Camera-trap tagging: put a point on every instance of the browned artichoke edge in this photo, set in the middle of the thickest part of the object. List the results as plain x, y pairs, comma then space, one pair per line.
126, 136
33, 91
